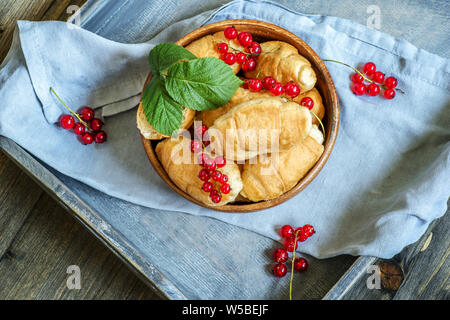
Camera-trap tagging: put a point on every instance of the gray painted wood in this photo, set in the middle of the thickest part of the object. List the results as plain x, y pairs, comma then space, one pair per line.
424, 265
193, 257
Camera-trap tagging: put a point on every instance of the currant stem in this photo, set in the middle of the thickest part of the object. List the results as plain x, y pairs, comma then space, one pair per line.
292, 264
320, 121
354, 69
70, 110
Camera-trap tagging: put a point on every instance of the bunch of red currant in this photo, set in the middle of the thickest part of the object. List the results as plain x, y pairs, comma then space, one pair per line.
248, 58
214, 181
290, 89
291, 238
377, 78
88, 128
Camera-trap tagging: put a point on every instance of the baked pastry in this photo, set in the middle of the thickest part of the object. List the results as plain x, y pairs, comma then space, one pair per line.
209, 116
318, 107
271, 176
259, 126
147, 130
283, 62
178, 161
207, 47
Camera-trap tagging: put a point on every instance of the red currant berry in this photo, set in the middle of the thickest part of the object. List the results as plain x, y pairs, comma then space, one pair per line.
222, 47
87, 114
301, 236
300, 265
67, 122
359, 89
202, 158
240, 57
280, 255
204, 175
196, 146
200, 130
268, 82
87, 138
255, 85
230, 33
225, 188
216, 175
373, 89
389, 93
220, 161
100, 137
210, 165
224, 179
290, 244
280, 270
214, 192
96, 124
249, 65
216, 198
254, 48
277, 89
308, 230
245, 39
369, 68
287, 231
307, 102
229, 58
291, 89
207, 186
378, 76
357, 78
79, 128
390, 82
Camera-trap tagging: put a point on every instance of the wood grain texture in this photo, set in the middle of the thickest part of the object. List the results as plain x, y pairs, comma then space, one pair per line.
38, 239
420, 271
263, 31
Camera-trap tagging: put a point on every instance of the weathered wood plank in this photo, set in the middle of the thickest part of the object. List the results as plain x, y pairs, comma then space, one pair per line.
38, 240
46, 245
424, 267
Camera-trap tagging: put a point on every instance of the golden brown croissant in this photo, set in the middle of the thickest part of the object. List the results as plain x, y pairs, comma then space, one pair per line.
178, 161
270, 177
147, 130
259, 126
318, 107
283, 62
209, 116
207, 47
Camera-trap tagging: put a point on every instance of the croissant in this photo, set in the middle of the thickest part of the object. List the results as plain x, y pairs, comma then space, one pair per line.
318, 107
147, 130
203, 47
270, 177
178, 161
283, 62
209, 116
207, 47
259, 126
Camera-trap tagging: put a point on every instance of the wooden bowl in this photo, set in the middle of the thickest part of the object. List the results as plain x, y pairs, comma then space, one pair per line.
263, 31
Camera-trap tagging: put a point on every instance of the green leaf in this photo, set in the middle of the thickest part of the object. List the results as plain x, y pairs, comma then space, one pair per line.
162, 112
164, 55
201, 84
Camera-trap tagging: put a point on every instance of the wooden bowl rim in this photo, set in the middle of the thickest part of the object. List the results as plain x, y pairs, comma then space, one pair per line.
332, 127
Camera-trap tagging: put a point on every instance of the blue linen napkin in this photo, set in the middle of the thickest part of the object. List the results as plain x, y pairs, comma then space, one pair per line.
387, 177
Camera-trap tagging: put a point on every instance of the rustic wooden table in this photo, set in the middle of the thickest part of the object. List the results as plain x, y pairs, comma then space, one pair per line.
39, 240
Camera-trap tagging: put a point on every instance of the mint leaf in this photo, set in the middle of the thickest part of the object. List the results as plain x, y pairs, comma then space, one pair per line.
164, 55
201, 84
161, 111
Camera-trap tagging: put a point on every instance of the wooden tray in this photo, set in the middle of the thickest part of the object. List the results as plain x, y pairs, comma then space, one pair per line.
263, 31
181, 256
